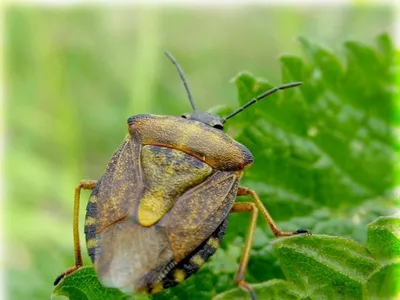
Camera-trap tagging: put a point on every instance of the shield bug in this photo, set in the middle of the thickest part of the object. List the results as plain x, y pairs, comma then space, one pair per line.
161, 208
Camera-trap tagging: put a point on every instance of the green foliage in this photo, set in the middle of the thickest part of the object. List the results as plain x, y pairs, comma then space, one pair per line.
323, 266
383, 240
84, 285
314, 266
274, 289
324, 156
384, 245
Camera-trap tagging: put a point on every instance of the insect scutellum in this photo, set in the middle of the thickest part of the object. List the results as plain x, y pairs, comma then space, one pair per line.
214, 120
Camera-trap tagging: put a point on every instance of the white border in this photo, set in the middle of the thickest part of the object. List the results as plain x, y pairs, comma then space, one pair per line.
152, 2
208, 2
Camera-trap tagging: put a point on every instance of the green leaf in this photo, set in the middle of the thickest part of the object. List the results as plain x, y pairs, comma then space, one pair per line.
84, 285
202, 286
384, 283
384, 239
328, 66
274, 289
384, 245
386, 49
317, 266
325, 265
294, 69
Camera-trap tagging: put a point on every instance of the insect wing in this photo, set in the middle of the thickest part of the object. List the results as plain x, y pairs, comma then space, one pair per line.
122, 250
198, 212
118, 189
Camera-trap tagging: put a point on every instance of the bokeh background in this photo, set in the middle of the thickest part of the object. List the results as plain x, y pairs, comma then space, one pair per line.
74, 74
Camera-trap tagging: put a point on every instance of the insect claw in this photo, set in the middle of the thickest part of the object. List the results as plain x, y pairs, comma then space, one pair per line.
247, 288
302, 231
252, 295
61, 276
58, 279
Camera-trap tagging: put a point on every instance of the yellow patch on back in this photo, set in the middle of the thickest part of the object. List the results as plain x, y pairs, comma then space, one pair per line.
91, 243
90, 221
147, 218
158, 287
179, 275
213, 242
151, 211
197, 260
167, 174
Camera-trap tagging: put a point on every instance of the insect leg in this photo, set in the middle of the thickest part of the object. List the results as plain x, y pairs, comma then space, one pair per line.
242, 191
86, 185
239, 278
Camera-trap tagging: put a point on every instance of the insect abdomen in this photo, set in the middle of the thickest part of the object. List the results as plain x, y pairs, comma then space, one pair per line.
91, 223
192, 263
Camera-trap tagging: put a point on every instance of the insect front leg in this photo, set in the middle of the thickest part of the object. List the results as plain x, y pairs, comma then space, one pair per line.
86, 185
248, 207
242, 191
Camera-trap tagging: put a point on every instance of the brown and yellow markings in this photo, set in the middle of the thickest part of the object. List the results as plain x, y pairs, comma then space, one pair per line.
150, 211
100, 229
158, 287
93, 199
197, 260
106, 207
90, 221
179, 275
213, 242
91, 243
194, 139
167, 174
184, 151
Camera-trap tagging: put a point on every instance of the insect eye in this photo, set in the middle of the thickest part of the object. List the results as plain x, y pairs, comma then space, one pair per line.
218, 126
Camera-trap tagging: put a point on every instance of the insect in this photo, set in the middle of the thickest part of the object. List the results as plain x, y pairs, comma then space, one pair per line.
161, 208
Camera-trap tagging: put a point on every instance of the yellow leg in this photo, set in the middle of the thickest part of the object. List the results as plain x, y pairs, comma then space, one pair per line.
253, 208
239, 278
86, 185
242, 191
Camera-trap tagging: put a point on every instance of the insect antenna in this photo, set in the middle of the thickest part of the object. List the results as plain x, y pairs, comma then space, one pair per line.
263, 95
178, 67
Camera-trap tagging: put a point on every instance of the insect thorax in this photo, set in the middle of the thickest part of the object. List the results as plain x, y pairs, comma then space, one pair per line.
208, 144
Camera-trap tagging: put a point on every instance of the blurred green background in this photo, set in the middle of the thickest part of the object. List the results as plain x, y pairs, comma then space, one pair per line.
75, 74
